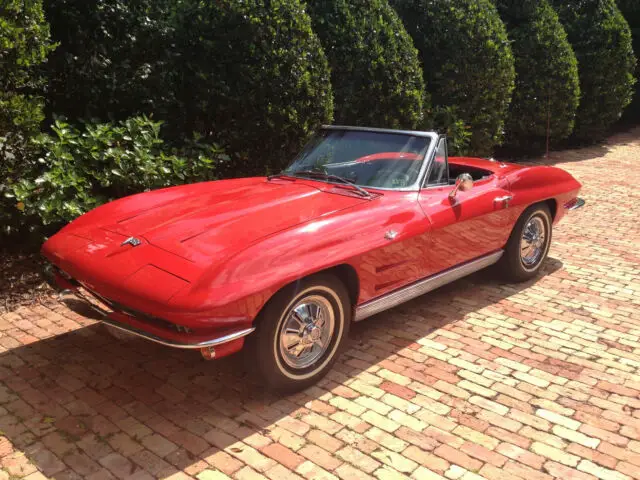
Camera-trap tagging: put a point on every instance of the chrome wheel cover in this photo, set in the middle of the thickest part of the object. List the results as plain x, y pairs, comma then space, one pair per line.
533, 242
306, 332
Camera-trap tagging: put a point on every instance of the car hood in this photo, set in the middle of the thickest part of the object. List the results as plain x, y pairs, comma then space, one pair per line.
210, 221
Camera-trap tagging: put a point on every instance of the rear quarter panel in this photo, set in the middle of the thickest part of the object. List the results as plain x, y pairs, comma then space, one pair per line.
534, 184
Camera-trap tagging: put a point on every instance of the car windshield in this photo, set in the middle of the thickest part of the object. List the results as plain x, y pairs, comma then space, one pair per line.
363, 158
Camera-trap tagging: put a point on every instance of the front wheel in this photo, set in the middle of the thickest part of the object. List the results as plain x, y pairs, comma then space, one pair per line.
528, 244
300, 332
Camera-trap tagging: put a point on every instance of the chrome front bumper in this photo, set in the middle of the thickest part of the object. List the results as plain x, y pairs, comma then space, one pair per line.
104, 312
168, 343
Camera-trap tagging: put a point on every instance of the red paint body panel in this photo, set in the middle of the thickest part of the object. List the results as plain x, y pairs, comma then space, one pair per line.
214, 253
468, 227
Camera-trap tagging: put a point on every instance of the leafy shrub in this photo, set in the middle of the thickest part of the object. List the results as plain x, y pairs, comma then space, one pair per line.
24, 45
601, 39
467, 62
113, 58
251, 75
81, 169
631, 11
547, 92
375, 70
458, 133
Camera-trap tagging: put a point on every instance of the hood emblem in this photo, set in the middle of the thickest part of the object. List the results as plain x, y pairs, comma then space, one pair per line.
391, 234
133, 241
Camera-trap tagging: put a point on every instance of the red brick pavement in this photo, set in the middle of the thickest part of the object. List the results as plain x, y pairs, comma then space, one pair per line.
477, 380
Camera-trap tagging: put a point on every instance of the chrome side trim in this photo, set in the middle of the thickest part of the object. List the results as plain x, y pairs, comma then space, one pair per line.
154, 338
578, 203
423, 286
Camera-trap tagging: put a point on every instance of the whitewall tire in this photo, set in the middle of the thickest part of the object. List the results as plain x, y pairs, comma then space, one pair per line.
300, 332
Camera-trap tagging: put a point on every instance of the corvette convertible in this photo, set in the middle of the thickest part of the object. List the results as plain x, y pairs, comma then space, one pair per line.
361, 220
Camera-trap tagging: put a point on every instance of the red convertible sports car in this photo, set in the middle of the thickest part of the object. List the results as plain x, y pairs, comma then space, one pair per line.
361, 221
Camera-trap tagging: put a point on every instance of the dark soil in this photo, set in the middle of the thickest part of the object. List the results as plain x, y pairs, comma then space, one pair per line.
21, 280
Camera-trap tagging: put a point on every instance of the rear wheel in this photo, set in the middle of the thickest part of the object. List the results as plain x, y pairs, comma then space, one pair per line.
300, 332
528, 244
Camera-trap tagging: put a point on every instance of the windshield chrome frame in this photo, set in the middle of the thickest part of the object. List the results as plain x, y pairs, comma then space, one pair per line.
426, 160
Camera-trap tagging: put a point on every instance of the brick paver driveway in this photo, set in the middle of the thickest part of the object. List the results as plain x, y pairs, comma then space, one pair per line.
477, 380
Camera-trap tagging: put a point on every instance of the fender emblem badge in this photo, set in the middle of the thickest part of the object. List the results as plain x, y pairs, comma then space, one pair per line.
133, 241
391, 234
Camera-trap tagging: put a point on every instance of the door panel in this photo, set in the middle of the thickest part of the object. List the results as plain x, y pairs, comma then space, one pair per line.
398, 234
468, 226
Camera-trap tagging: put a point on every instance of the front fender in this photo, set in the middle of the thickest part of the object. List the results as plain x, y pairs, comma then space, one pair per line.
249, 278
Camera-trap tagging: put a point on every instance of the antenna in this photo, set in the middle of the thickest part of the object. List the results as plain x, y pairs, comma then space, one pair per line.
548, 122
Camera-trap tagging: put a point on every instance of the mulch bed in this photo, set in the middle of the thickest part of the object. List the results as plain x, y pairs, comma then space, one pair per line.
21, 281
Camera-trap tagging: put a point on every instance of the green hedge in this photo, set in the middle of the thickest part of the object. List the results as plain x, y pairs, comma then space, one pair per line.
467, 60
251, 75
24, 45
601, 39
375, 70
547, 92
631, 11
112, 62
81, 169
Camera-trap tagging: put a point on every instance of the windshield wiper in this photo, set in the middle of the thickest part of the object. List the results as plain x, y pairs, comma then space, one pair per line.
281, 175
328, 176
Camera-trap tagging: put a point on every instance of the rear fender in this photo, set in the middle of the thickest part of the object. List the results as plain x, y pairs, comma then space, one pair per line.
537, 184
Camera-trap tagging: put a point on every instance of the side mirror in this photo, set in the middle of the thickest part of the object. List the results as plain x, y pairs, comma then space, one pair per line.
464, 183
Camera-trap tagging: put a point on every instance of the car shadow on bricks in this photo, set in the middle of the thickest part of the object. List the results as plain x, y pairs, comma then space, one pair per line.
421, 317
83, 402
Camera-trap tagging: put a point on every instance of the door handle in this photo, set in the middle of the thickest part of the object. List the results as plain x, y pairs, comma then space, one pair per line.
504, 199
